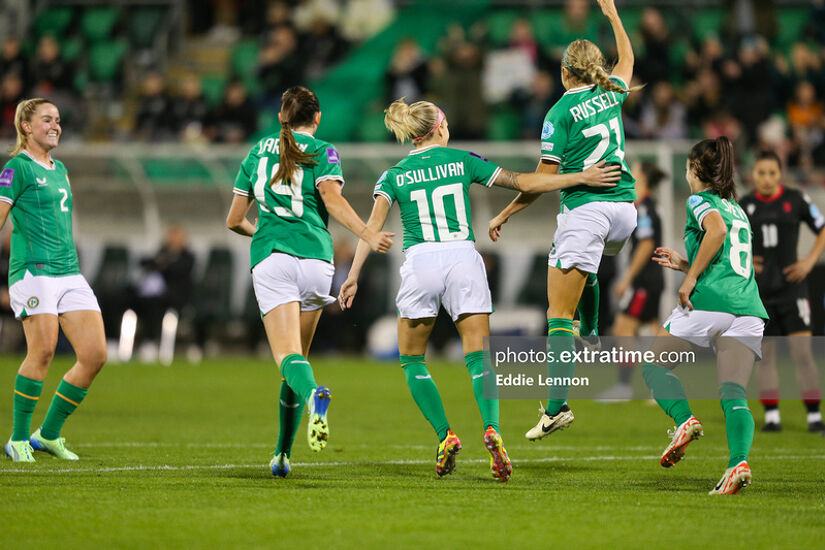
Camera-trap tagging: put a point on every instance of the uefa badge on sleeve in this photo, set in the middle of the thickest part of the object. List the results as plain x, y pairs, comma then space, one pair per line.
547, 130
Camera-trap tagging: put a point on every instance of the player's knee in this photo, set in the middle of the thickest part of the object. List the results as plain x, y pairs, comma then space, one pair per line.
93, 358
40, 357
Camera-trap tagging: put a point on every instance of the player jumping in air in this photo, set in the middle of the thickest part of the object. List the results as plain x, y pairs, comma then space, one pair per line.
442, 267
47, 291
775, 213
719, 308
581, 129
296, 180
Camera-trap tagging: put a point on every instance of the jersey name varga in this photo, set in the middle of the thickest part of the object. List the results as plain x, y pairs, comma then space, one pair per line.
432, 173
594, 105
272, 145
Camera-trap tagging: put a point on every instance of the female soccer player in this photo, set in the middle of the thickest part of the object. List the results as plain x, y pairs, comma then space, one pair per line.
719, 307
581, 129
296, 180
46, 288
431, 186
775, 213
640, 288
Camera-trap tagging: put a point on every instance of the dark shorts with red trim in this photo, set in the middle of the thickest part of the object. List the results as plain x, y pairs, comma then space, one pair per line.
793, 315
644, 305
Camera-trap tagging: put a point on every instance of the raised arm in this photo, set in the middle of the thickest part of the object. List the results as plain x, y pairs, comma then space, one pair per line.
378, 217
340, 209
236, 218
715, 231
624, 67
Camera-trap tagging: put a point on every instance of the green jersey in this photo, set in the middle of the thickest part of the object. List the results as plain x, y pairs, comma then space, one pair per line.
583, 128
41, 199
432, 188
292, 217
727, 284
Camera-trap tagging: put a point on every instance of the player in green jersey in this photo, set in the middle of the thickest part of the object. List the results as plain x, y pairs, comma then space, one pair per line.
581, 129
719, 307
296, 181
46, 289
442, 267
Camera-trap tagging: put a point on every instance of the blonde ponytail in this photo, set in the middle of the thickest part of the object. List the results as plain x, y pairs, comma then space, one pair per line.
25, 111
411, 122
587, 64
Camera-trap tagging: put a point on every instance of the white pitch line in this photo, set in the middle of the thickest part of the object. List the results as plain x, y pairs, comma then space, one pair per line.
167, 468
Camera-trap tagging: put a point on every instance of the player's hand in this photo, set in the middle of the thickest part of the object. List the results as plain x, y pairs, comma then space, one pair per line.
685, 291
608, 8
797, 271
621, 287
347, 293
600, 175
379, 241
758, 264
667, 257
495, 228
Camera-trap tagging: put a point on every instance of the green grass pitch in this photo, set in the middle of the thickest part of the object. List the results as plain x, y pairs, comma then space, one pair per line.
177, 457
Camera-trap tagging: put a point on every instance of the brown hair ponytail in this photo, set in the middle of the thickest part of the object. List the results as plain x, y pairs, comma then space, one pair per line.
712, 162
587, 64
298, 108
25, 111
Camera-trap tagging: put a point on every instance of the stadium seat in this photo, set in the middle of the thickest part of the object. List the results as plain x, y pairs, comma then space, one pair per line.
71, 48
791, 23
245, 58
212, 293
212, 87
96, 23
545, 24
505, 124
105, 60
143, 24
53, 21
372, 128
172, 172
499, 24
112, 285
707, 22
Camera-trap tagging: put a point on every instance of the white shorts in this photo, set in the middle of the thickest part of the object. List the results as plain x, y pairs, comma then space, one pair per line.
589, 231
448, 274
283, 278
43, 294
703, 328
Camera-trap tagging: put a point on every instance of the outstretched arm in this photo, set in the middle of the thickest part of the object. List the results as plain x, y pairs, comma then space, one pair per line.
340, 209
378, 217
597, 175
624, 67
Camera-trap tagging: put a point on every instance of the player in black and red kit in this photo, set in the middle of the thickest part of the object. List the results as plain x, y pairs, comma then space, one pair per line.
775, 214
641, 286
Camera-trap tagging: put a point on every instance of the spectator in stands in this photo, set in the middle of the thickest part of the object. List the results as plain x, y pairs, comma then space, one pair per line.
806, 117
654, 64
189, 110
153, 121
11, 93
663, 116
166, 282
544, 94
750, 99
521, 38
322, 46
575, 24
362, 19
407, 74
816, 22
49, 73
13, 60
278, 14
235, 120
279, 65
462, 86
704, 98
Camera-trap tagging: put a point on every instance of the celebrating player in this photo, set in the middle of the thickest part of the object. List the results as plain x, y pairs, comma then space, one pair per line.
296, 180
442, 267
581, 129
640, 288
775, 213
719, 307
46, 289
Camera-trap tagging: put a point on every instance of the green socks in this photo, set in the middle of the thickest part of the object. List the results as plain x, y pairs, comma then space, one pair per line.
290, 408
588, 307
297, 372
26, 395
559, 340
425, 393
667, 391
738, 422
66, 399
477, 363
